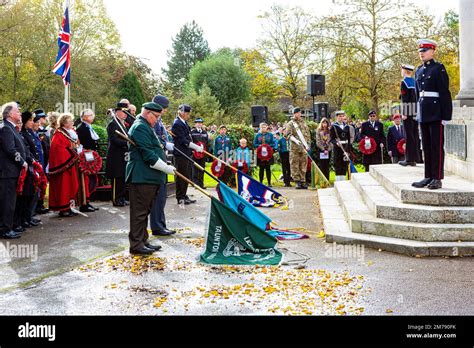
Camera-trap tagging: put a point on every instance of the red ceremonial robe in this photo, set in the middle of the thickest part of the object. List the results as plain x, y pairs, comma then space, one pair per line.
63, 171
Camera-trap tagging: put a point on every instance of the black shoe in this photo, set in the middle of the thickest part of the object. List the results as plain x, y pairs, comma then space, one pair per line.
287, 185
42, 210
153, 247
141, 251
298, 186
119, 204
10, 235
91, 206
126, 202
86, 209
33, 223
19, 229
304, 185
26, 225
164, 232
35, 220
422, 183
435, 184
189, 201
405, 163
67, 213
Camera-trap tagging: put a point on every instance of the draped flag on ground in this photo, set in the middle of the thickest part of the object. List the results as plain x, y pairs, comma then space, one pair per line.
62, 67
232, 239
256, 193
239, 205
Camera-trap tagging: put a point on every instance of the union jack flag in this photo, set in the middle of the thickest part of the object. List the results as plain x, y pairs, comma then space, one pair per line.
63, 60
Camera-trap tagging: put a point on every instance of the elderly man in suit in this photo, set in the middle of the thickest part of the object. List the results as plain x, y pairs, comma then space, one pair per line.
395, 134
13, 159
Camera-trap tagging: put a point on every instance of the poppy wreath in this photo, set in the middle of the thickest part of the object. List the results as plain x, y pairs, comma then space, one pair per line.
401, 146
364, 149
90, 167
199, 155
217, 168
21, 181
262, 150
39, 179
244, 168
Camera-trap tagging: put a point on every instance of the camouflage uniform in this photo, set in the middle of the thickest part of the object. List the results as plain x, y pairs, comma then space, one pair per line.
298, 156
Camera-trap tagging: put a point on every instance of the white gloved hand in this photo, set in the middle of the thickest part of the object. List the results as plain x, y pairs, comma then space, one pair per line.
163, 167
444, 123
79, 149
296, 141
169, 146
195, 147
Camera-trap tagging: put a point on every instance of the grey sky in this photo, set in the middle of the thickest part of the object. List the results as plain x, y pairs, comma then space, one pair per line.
147, 26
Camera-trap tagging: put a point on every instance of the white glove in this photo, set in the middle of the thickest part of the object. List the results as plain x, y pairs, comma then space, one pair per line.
163, 167
169, 146
195, 147
444, 123
79, 149
296, 141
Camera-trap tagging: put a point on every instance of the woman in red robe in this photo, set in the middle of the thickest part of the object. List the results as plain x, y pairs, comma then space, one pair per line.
64, 185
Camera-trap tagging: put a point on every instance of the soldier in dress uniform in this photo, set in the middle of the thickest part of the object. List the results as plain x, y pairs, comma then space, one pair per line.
408, 113
342, 138
373, 129
199, 136
435, 108
300, 140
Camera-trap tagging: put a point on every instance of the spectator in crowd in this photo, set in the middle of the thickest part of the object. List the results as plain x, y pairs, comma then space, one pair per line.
13, 159
43, 144
89, 139
242, 155
395, 134
323, 141
116, 151
52, 119
284, 152
63, 171
201, 138
222, 149
133, 109
265, 144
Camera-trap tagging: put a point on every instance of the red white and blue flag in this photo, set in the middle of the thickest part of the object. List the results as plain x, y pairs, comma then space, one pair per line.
63, 60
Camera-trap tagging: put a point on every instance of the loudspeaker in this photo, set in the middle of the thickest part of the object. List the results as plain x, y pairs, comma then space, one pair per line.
315, 85
259, 115
320, 110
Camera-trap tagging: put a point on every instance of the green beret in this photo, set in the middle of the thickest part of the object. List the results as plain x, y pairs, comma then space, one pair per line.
153, 107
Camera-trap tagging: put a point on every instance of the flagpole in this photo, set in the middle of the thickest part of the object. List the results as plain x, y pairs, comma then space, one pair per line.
66, 99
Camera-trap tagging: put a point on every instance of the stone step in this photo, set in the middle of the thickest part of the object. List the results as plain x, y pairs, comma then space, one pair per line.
338, 231
384, 205
361, 220
456, 191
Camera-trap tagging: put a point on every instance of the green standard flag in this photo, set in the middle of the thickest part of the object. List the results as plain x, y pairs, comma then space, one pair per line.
233, 240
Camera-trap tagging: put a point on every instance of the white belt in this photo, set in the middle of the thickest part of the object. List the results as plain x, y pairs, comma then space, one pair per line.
343, 141
429, 94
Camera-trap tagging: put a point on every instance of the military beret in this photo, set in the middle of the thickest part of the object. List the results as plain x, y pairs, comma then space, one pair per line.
296, 110
152, 107
199, 120
426, 44
185, 108
162, 100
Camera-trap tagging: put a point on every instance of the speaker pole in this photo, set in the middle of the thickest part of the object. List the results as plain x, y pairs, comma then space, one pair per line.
314, 111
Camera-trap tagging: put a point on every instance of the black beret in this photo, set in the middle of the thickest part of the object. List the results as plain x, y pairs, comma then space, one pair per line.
296, 110
162, 100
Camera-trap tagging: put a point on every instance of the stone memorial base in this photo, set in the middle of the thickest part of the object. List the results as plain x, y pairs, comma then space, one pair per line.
382, 210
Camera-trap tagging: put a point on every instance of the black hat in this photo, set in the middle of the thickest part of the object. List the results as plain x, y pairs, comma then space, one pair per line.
185, 108
26, 116
199, 120
296, 110
121, 106
162, 100
152, 107
372, 112
39, 113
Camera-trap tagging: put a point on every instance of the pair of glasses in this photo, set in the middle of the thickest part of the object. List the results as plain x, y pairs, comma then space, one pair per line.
151, 112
